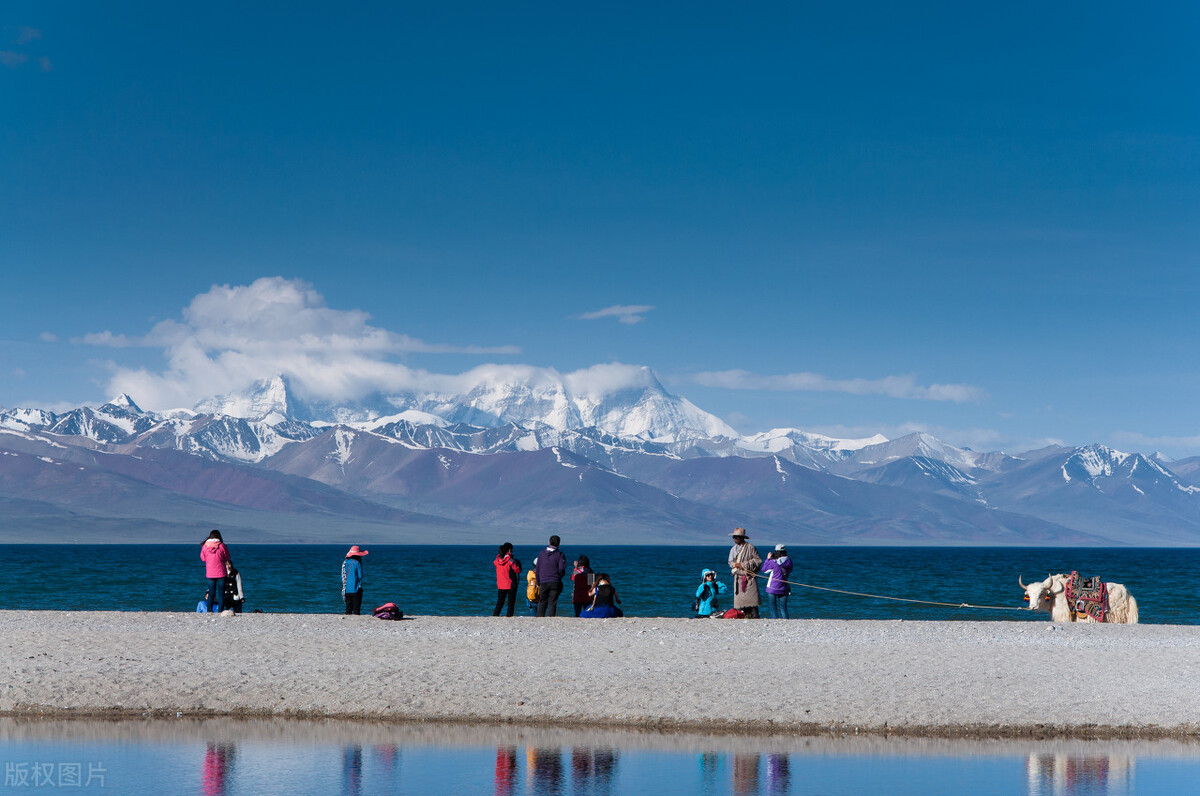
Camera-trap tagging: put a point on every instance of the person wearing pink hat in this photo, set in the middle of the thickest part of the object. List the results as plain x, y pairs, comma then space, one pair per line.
352, 578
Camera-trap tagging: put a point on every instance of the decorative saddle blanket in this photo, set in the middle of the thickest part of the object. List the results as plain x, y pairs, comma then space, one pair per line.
1088, 596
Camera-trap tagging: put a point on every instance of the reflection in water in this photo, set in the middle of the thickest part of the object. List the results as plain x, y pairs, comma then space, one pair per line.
606, 769
1062, 774
710, 763
592, 770
352, 768
547, 771
364, 759
779, 776
505, 778
745, 774
218, 767
387, 761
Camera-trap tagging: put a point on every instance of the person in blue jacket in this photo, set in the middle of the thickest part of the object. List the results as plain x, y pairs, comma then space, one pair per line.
352, 578
706, 593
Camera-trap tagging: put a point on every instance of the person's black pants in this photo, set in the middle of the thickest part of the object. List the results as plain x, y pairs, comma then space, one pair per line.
501, 596
548, 598
354, 602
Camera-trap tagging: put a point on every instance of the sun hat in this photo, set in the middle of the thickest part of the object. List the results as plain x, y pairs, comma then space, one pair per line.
780, 548
354, 551
740, 532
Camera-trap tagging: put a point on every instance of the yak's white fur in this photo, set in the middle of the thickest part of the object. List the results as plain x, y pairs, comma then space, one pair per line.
1050, 595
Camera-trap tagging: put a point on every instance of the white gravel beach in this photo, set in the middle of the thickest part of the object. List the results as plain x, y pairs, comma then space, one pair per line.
955, 679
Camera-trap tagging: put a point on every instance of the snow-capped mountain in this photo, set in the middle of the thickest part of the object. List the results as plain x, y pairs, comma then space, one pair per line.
618, 399
611, 450
263, 398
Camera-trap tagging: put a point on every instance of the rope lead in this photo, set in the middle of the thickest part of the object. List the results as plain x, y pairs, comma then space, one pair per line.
899, 599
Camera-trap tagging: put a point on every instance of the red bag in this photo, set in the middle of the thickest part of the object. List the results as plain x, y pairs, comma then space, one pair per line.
733, 613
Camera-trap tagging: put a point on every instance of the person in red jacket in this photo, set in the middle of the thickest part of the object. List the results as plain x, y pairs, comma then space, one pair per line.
508, 571
582, 581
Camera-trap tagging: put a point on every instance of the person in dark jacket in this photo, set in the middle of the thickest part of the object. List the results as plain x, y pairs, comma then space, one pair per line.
550, 566
582, 580
235, 598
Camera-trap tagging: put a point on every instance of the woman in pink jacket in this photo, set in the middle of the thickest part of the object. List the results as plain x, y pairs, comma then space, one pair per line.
216, 565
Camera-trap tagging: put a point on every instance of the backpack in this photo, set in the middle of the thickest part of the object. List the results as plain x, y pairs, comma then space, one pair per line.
531, 591
388, 611
733, 613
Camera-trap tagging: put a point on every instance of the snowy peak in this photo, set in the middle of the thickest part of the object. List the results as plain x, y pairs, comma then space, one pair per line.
918, 444
778, 439
27, 419
124, 402
1097, 464
110, 423
264, 397
618, 399
1092, 462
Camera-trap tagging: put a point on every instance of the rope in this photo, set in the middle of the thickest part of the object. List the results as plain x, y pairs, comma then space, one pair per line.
899, 599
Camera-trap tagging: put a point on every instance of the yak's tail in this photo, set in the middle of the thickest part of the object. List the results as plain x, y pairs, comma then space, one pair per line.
1131, 613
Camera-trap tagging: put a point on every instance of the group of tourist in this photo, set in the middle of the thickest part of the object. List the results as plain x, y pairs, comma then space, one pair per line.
224, 581
592, 595
747, 568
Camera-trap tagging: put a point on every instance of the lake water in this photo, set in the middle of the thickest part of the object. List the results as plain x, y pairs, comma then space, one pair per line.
651, 580
232, 758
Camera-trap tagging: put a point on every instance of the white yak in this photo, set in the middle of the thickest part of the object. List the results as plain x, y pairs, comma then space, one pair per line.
1050, 595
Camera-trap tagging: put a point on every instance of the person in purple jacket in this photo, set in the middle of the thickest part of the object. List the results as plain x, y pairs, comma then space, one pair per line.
550, 567
777, 568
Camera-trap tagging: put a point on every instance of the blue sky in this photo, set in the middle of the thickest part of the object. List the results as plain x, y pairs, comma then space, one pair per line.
978, 221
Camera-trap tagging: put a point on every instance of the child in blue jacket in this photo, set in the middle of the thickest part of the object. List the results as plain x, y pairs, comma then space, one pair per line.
706, 594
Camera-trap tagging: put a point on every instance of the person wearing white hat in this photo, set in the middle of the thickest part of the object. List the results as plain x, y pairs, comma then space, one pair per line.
777, 568
744, 563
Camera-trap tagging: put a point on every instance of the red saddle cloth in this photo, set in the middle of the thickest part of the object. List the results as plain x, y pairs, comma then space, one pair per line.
1088, 596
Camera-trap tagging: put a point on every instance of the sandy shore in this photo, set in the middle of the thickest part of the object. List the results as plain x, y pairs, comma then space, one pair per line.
956, 679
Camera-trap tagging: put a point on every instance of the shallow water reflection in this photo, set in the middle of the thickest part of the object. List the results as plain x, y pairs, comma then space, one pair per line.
1077, 775
252, 758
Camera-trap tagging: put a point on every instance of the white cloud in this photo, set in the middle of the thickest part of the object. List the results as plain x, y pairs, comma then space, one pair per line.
107, 340
892, 386
1182, 446
625, 313
48, 337
231, 336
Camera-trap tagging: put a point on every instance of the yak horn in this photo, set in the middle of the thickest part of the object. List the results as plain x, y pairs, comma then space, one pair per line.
1019, 580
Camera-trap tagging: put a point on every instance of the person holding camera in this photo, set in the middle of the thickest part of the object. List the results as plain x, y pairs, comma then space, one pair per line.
777, 568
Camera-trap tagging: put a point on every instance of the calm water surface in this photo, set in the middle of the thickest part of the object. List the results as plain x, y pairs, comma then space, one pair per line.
652, 581
228, 758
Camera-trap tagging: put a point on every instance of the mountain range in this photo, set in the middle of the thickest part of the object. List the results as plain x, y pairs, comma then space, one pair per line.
521, 453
